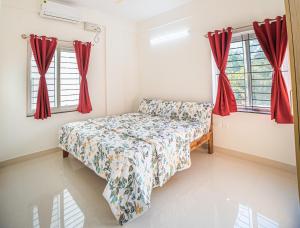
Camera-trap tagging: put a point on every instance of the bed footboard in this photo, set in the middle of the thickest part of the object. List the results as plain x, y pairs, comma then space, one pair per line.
207, 138
211, 144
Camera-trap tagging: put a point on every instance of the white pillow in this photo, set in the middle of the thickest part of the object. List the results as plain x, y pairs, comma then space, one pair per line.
195, 111
149, 106
168, 109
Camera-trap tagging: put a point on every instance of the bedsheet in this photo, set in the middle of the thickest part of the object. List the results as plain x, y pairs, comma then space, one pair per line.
134, 152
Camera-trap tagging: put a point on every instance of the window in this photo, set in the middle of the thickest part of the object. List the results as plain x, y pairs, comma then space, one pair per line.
63, 81
250, 74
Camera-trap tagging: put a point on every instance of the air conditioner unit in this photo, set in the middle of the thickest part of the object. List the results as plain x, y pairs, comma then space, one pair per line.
57, 11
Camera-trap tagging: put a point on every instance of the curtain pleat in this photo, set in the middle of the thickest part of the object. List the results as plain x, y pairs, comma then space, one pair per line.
83, 51
43, 49
220, 45
273, 39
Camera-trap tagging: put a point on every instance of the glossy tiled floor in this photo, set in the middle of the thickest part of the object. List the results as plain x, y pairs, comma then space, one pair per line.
218, 191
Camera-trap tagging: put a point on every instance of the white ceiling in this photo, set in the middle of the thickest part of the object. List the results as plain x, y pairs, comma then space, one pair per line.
133, 9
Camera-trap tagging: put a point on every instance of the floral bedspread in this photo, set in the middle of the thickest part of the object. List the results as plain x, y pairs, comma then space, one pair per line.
134, 152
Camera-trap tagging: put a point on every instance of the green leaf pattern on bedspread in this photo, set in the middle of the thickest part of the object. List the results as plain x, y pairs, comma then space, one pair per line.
134, 152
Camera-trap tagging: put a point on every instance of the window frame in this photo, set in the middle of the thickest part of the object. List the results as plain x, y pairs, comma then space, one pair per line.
54, 110
248, 75
246, 37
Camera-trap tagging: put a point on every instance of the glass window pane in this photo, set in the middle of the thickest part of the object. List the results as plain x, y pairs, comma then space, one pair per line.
236, 71
236, 51
260, 89
262, 104
238, 44
235, 64
261, 83
240, 96
253, 42
241, 103
69, 79
239, 89
255, 48
261, 76
258, 62
258, 55
262, 68
236, 76
233, 58
262, 96
237, 83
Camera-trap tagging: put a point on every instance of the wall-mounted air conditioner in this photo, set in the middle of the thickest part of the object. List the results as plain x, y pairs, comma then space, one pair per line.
57, 11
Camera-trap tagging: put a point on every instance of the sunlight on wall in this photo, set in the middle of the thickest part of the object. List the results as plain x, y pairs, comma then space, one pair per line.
170, 37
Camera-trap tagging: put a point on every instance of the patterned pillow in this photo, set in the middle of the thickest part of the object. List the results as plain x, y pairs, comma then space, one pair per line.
149, 106
168, 109
195, 111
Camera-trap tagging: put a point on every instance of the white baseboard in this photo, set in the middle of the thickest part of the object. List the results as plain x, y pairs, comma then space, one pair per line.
238, 154
257, 159
27, 157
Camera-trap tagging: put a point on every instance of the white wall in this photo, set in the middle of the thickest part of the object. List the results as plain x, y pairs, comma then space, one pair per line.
178, 70
182, 70
112, 73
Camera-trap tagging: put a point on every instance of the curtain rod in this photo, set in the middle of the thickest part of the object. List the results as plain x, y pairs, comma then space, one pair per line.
242, 27
24, 36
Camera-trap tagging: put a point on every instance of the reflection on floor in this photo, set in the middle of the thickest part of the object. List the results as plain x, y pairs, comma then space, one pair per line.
263, 221
246, 220
244, 217
71, 215
35, 217
217, 191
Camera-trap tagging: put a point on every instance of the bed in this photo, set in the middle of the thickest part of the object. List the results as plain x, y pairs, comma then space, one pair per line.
136, 152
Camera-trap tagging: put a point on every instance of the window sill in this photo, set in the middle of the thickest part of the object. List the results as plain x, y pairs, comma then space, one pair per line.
56, 111
254, 110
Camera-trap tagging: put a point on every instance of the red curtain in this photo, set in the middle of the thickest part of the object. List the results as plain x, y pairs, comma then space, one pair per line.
272, 37
220, 45
43, 49
83, 51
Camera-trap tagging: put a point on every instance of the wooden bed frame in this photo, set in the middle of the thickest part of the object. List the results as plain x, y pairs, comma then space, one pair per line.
207, 138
